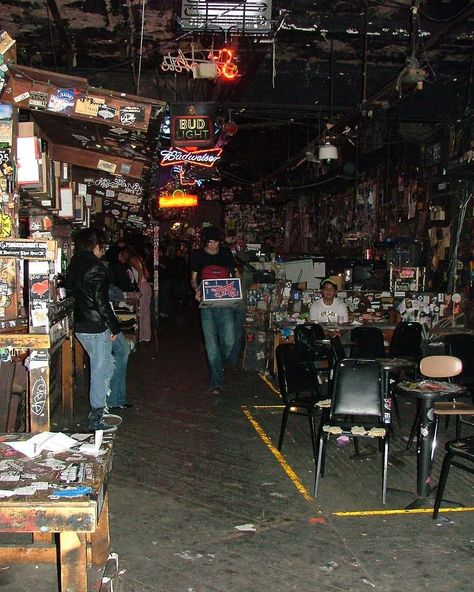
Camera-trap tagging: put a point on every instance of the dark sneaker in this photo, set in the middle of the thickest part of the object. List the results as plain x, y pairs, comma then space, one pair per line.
101, 425
111, 418
215, 390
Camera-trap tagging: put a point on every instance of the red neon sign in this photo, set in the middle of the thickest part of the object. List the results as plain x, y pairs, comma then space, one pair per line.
178, 199
224, 63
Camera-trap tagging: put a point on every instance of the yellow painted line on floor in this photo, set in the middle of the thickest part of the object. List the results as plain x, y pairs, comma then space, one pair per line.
395, 512
268, 406
270, 385
277, 454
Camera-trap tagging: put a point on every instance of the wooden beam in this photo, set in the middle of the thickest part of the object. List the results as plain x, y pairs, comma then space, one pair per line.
19, 86
96, 160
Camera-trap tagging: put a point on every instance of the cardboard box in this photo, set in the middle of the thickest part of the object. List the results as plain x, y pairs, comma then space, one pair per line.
222, 292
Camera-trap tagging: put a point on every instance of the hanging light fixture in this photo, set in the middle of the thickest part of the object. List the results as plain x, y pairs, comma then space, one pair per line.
328, 152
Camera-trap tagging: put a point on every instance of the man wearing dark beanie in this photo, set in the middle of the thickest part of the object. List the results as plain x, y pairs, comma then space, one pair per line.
214, 262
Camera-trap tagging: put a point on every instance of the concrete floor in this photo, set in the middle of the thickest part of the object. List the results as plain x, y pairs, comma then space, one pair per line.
190, 467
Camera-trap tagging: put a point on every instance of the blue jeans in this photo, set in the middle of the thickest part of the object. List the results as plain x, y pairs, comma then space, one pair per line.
239, 313
118, 382
218, 328
99, 349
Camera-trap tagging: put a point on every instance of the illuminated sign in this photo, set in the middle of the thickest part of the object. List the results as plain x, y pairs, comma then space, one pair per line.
190, 62
178, 199
192, 130
203, 158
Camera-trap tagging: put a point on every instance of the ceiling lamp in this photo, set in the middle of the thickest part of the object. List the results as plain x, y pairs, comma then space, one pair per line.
328, 152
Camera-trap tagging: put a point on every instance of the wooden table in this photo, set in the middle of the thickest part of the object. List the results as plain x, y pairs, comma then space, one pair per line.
81, 523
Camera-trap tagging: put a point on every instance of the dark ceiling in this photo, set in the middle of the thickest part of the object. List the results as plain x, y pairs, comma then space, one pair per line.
322, 61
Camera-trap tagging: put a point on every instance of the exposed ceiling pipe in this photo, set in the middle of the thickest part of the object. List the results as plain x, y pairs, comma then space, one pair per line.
385, 91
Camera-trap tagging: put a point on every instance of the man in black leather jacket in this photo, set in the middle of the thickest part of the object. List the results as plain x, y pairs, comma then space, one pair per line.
95, 323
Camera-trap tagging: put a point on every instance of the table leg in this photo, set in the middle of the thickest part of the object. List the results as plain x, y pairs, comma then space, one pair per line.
424, 463
100, 538
73, 563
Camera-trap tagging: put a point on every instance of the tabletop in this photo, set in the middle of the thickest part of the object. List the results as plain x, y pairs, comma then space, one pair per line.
44, 493
430, 388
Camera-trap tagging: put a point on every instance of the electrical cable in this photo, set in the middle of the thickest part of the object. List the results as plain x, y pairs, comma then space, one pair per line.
141, 48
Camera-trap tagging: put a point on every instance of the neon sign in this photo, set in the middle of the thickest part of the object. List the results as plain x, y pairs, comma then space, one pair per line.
222, 58
203, 158
178, 199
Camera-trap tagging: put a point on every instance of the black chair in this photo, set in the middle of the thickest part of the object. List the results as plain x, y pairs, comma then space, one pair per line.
337, 350
459, 453
299, 386
312, 336
357, 410
461, 345
367, 342
406, 341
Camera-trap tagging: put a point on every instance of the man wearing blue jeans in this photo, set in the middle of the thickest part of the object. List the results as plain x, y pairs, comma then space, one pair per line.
214, 262
95, 323
118, 383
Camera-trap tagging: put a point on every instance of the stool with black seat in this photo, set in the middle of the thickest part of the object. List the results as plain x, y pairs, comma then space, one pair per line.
299, 387
459, 453
357, 411
367, 342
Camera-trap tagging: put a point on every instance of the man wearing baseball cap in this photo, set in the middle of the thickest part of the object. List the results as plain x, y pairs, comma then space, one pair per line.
328, 309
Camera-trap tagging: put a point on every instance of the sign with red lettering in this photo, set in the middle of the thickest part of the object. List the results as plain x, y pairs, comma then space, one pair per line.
221, 292
203, 158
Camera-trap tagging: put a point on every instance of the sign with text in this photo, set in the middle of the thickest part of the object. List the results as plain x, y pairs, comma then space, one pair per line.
28, 249
203, 158
192, 124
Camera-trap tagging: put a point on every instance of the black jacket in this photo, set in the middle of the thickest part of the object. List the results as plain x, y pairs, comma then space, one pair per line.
88, 283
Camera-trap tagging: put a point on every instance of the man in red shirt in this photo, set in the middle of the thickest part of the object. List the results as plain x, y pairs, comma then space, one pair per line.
214, 262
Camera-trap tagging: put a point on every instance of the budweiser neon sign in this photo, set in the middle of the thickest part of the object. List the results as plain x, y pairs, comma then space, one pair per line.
203, 158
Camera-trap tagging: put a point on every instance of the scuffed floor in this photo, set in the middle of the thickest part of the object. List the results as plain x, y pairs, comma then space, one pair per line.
190, 468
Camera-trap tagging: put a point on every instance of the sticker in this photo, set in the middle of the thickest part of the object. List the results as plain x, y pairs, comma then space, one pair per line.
6, 111
130, 115
38, 100
5, 225
20, 98
88, 106
62, 100
106, 111
125, 169
104, 165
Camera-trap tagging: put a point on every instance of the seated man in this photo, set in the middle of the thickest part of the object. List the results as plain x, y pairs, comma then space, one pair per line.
328, 309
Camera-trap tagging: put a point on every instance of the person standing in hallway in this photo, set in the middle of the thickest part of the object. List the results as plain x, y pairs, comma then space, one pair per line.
214, 262
245, 272
95, 323
142, 278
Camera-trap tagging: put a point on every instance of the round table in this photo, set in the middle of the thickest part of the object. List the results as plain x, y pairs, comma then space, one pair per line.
426, 392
